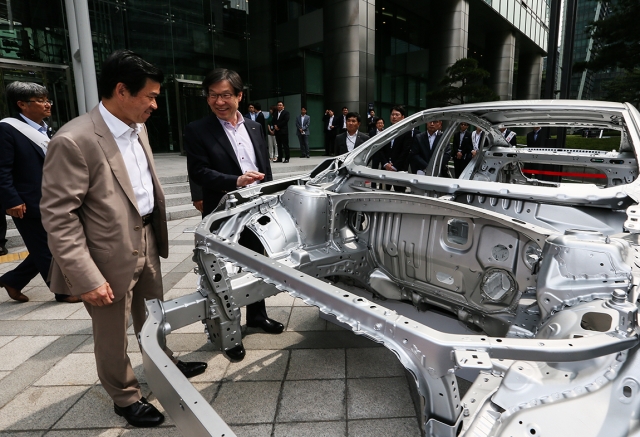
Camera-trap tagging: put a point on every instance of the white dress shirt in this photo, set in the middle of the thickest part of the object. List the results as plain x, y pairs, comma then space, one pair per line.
351, 141
42, 129
135, 160
475, 138
241, 143
330, 123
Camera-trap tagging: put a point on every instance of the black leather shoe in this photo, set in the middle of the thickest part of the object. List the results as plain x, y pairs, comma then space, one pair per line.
192, 369
268, 325
286, 161
278, 160
3, 250
236, 354
140, 414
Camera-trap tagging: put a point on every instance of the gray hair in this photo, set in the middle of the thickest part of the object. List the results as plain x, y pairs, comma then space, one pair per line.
23, 92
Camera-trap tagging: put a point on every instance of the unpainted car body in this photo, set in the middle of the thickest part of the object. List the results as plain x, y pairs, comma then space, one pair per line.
543, 272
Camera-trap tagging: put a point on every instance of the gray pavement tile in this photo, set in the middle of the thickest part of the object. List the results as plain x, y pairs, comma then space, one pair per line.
175, 293
252, 430
188, 281
259, 365
316, 364
373, 362
176, 257
162, 431
170, 280
111, 432
216, 365
306, 319
12, 310
51, 327
181, 248
167, 267
280, 300
80, 314
312, 400
40, 294
4, 339
208, 390
39, 407
31, 370
52, 311
236, 401
21, 434
74, 369
311, 429
186, 265
407, 427
188, 342
3, 374
379, 397
21, 349
93, 410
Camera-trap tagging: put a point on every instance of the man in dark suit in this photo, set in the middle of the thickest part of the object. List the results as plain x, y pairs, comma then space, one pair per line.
340, 122
329, 132
461, 149
224, 152
255, 114
352, 138
396, 153
23, 144
281, 126
535, 138
423, 146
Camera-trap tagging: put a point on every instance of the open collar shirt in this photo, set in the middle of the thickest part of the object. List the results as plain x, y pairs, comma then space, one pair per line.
241, 143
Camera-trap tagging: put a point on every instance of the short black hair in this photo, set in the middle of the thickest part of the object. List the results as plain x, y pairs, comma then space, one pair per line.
220, 74
257, 106
344, 107
353, 115
23, 92
280, 101
302, 107
129, 68
400, 109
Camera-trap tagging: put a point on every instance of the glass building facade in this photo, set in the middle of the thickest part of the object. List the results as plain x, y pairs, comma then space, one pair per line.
320, 54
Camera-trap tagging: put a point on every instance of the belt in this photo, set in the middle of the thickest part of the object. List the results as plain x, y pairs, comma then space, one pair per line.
146, 219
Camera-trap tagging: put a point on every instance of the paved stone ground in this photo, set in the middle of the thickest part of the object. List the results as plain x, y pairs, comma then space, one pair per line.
315, 379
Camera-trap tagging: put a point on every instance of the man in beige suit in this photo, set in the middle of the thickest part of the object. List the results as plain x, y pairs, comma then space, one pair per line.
104, 211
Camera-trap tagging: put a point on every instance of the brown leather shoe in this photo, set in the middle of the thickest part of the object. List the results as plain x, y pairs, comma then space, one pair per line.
14, 293
67, 298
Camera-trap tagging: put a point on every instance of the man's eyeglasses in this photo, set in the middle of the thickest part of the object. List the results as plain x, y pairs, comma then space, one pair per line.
223, 96
42, 102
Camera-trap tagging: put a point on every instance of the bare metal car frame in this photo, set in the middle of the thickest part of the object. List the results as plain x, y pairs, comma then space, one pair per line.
546, 272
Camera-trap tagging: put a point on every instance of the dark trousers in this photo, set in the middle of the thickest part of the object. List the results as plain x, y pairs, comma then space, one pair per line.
283, 144
3, 229
39, 258
329, 142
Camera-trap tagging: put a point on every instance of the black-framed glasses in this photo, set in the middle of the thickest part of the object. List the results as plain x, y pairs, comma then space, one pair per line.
224, 96
42, 102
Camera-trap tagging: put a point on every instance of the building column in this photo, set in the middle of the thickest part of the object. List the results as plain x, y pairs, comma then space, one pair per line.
349, 54
453, 32
504, 50
529, 76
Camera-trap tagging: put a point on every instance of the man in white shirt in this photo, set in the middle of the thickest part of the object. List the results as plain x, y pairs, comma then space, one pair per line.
352, 138
104, 210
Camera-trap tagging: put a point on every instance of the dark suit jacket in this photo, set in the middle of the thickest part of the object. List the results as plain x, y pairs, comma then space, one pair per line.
338, 122
421, 152
465, 147
514, 140
282, 122
341, 142
538, 142
398, 154
21, 162
213, 164
260, 120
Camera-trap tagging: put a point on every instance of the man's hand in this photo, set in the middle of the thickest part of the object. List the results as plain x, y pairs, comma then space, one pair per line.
101, 296
459, 155
198, 205
249, 177
17, 211
276, 127
389, 167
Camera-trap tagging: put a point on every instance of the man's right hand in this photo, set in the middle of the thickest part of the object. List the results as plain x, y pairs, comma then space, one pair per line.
199, 205
17, 211
101, 296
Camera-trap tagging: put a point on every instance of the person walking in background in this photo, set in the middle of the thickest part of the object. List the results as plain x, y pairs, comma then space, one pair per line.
281, 127
302, 125
105, 212
271, 137
329, 132
24, 143
225, 152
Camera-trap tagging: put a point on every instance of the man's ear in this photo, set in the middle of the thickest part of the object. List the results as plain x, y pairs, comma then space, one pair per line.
240, 96
121, 90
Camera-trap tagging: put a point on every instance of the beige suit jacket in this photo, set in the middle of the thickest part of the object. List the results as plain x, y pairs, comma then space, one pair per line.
89, 209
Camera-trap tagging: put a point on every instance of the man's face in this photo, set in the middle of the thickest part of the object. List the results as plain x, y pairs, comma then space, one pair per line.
344, 111
252, 109
280, 106
138, 108
372, 113
396, 116
463, 127
502, 129
303, 111
330, 113
352, 125
433, 126
224, 103
35, 108
380, 124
